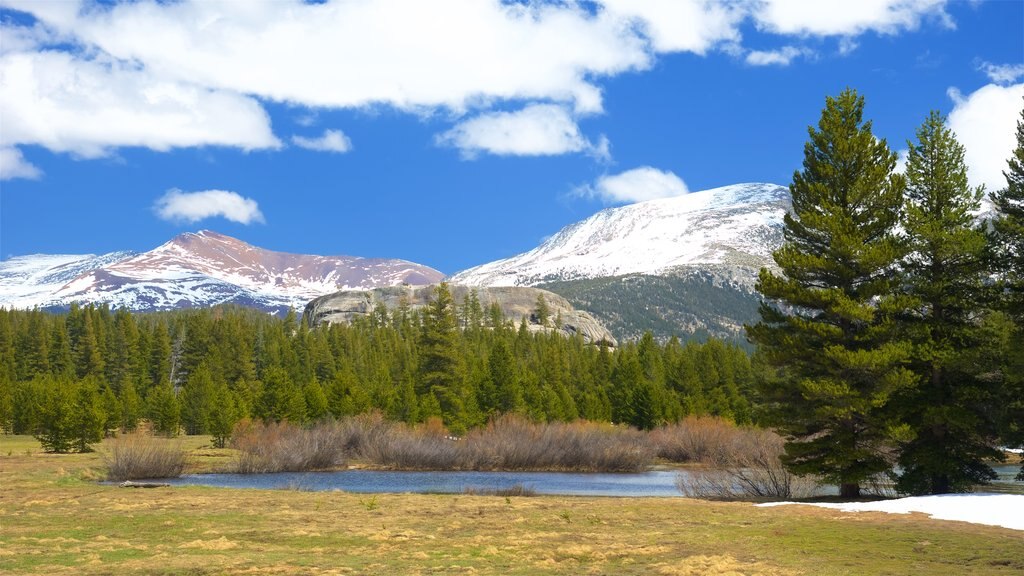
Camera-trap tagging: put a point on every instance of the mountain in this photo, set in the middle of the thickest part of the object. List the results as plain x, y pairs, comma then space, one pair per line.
196, 270
736, 225
683, 266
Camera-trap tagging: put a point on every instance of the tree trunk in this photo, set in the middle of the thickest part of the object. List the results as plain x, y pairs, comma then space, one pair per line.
940, 484
849, 490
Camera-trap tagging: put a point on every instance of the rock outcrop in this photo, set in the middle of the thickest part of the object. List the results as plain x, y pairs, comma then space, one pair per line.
515, 303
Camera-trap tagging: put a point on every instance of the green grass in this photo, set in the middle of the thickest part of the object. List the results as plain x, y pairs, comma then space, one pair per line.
56, 519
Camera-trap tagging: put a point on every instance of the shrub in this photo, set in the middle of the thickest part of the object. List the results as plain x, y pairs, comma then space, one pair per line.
506, 443
747, 466
511, 442
286, 447
698, 439
137, 456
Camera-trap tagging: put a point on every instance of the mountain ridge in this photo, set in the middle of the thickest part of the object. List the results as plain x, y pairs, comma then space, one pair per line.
736, 225
196, 269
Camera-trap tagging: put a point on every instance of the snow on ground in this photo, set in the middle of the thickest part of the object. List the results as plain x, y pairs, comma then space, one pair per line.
1006, 510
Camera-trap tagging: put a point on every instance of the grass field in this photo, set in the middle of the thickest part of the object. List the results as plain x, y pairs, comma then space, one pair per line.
55, 518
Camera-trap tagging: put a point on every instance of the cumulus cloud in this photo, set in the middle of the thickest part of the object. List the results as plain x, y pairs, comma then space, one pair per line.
985, 122
13, 165
538, 130
801, 17
636, 185
179, 206
87, 107
193, 72
902, 157
1002, 73
331, 141
780, 57
681, 25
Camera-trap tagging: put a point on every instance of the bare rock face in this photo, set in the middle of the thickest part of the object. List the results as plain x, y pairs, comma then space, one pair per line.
516, 303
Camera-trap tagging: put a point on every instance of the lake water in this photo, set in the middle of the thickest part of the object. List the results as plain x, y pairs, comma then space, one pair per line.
661, 483
657, 483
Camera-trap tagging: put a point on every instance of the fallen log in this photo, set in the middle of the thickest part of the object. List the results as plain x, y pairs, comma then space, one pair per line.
130, 484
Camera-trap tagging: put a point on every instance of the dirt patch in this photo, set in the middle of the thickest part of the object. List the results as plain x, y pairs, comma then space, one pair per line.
221, 543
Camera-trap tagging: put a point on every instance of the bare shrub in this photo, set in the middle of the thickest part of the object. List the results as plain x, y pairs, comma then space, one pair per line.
139, 456
406, 449
512, 442
698, 439
743, 463
286, 447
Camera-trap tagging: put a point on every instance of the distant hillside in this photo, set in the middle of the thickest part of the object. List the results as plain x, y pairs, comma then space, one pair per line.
691, 304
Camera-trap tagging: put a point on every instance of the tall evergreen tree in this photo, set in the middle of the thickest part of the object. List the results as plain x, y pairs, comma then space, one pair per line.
951, 409
1007, 243
825, 328
440, 369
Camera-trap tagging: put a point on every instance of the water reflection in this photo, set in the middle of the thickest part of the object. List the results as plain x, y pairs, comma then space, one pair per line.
660, 483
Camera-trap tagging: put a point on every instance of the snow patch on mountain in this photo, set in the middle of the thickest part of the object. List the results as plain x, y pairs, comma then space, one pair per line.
197, 270
737, 225
27, 281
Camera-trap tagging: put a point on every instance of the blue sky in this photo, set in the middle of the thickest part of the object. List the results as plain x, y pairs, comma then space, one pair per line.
453, 132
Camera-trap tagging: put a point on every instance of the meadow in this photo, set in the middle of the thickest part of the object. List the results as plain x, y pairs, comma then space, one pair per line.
57, 518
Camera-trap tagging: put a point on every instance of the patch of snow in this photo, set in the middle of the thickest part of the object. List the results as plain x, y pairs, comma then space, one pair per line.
1006, 510
698, 228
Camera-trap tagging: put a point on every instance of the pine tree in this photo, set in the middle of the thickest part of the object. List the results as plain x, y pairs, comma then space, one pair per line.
90, 417
164, 410
196, 398
542, 311
950, 411
826, 328
441, 369
57, 416
223, 415
1007, 252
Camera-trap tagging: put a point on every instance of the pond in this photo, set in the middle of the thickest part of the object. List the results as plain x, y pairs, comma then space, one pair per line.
657, 483
660, 483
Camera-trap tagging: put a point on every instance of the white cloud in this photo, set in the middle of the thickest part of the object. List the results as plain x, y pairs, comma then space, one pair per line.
985, 122
331, 141
13, 165
780, 57
902, 157
191, 207
538, 130
1002, 73
816, 18
66, 104
681, 25
189, 72
443, 53
636, 185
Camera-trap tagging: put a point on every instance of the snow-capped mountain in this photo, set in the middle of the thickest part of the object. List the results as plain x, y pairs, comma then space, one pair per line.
195, 270
732, 226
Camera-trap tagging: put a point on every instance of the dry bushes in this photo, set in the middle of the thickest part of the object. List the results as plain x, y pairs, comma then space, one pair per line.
284, 447
739, 462
507, 443
702, 439
139, 456
511, 442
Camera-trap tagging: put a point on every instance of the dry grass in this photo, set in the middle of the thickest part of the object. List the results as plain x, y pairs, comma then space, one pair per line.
136, 456
57, 520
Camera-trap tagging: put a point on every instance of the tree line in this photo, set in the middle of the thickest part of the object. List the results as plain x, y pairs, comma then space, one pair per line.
896, 327
70, 378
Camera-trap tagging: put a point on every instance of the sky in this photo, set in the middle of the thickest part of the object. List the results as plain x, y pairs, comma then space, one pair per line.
454, 132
